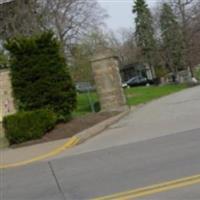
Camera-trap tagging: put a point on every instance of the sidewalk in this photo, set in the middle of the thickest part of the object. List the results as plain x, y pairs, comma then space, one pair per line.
8, 155
13, 157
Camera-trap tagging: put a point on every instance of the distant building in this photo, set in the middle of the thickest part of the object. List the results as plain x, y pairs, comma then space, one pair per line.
135, 69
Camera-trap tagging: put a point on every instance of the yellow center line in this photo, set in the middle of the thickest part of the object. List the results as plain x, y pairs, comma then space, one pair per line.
166, 186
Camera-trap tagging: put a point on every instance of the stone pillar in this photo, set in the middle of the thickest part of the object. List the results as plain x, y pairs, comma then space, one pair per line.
6, 101
105, 68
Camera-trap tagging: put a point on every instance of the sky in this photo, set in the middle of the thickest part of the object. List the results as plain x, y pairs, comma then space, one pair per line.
120, 12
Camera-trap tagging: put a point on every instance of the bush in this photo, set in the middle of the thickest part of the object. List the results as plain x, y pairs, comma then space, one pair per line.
25, 126
97, 106
39, 74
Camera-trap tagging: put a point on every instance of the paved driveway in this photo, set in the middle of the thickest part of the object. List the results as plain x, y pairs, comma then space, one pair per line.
178, 112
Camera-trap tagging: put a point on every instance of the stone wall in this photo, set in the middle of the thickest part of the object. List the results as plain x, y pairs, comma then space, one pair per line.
6, 100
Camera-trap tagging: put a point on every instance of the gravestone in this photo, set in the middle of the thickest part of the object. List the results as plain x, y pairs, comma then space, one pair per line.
107, 77
6, 102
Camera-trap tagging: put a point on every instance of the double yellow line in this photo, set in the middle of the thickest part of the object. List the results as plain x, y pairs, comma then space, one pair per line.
70, 143
166, 186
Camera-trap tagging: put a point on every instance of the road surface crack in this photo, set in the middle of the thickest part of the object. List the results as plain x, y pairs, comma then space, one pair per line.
57, 182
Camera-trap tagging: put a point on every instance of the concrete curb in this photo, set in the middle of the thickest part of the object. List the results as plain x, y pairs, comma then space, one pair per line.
98, 128
71, 142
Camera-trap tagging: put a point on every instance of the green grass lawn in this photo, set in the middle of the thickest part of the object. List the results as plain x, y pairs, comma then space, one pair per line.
84, 101
140, 95
135, 96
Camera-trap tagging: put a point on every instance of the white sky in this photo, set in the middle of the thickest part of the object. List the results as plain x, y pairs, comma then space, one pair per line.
120, 12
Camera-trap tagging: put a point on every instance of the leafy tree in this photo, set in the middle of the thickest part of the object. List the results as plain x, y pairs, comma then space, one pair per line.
81, 65
18, 17
69, 19
144, 32
172, 39
82, 52
39, 74
187, 12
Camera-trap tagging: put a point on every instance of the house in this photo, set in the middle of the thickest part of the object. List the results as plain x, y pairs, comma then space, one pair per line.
136, 69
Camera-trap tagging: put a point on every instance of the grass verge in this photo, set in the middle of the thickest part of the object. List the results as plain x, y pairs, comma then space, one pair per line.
141, 95
85, 101
135, 96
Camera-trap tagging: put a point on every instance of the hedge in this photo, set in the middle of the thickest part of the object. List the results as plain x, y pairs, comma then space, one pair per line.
25, 126
40, 76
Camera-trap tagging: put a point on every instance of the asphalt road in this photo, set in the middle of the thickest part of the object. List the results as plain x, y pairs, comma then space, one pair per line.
157, 143
108, 171
186, 193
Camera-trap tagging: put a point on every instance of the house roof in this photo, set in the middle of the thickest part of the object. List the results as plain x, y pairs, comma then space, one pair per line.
133, 66
5, 1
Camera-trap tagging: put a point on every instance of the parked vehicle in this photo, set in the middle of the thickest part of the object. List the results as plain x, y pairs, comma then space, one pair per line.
84, 87
136, 81
124, 85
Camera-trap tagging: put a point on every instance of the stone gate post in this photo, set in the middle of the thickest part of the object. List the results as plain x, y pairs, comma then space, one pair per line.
105, 68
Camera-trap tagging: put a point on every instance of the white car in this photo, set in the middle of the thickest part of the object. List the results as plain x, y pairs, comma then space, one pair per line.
124, 85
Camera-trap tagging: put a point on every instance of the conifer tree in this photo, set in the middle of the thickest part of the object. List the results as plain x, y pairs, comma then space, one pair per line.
172, 40
145, 33
40, 77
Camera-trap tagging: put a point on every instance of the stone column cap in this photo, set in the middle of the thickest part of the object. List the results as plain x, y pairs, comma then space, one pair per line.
103, 55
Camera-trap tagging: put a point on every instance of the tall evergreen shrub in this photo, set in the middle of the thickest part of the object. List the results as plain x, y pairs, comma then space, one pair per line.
40, 77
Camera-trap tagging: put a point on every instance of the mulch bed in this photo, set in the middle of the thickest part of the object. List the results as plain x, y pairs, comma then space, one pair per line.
71, 128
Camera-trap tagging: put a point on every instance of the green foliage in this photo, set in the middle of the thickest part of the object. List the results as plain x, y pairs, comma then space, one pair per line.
25, 126
172, 39
40, 77
3, 60
145, 32
83, 103
160, 71
81, 69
